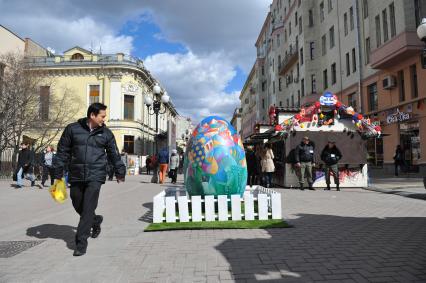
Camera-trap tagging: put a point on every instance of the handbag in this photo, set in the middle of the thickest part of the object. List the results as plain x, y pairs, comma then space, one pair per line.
170, 174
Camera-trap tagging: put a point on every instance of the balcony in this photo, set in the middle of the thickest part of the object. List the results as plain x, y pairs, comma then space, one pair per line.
290, 59
399, 48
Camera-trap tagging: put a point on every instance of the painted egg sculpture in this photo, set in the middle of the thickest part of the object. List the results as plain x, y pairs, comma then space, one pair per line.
215, 162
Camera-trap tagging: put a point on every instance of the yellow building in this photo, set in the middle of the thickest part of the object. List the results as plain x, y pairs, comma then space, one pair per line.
119, 81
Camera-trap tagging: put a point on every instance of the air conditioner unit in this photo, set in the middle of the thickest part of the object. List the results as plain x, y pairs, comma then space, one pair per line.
389, 82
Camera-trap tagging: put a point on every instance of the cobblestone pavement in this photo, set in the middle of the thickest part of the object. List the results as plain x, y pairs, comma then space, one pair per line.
350, 236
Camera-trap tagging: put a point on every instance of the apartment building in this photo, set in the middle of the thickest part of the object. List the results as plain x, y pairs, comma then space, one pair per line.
364, 51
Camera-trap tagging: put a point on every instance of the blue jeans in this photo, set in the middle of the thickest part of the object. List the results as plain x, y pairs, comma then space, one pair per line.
28, 176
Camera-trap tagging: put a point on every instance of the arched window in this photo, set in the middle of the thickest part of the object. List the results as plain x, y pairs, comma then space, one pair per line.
77, 56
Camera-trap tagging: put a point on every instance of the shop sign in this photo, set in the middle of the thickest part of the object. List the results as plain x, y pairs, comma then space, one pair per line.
328, 99
398, 117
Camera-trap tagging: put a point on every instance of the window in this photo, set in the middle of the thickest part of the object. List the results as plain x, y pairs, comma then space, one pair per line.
312, 49
378, 34
44, 103
367, 50
353, 60
414, 85
77, 56
311, 18
273, 65
351, 17
285, 35
93, 94
297, 70
345, 23
129, 107
352, 100
263, 70
330, 5
129, 144
295, 18
280, 84
418, 12
301, 56
273, 86
278, 40
288, 103
323, 45
281, 103
365, 8
298, 98
385, 25
325, 79
333, 73
279, 62
348, 65
300, 25
372, 97
264, 86
289, 28
331, 31
292, 101
299, 3
313, 83
322, 12
263, 103
401, 85
392, 19
302, 86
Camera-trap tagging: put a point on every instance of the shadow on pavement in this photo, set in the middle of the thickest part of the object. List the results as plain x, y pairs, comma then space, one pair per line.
147, 217
326, 247
54, 231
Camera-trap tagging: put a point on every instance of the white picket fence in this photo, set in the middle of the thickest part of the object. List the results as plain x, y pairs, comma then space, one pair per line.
268, 206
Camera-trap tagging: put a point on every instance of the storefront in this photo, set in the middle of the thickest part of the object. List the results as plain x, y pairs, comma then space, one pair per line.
410, 142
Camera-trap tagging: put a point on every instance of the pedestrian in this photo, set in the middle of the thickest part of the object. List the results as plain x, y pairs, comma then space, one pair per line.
154, 167
251, 166
25, 168
268, 166
163, 160
258, 154
85, 147
181, 160
398, 159
148, 165
174, 164
331, 156
304, 158
47, 161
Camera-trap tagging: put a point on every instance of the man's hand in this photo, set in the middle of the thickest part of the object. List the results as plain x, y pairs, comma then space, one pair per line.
298, 164
120, 179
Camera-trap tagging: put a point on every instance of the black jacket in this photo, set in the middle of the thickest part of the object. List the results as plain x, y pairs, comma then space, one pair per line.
331, 156
304, 152
86, 153
26, 159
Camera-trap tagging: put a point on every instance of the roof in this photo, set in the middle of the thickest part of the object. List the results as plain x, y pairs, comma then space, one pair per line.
79, 48
12, 32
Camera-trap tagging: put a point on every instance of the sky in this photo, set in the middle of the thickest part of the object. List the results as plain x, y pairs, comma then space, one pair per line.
200, 50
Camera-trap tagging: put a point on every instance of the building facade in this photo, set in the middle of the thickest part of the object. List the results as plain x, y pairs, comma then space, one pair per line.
366, 52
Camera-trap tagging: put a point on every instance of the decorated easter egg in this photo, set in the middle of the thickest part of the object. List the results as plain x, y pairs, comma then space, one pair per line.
215, 162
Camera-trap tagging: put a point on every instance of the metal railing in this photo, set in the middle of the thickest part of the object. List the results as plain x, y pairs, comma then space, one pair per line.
6, 164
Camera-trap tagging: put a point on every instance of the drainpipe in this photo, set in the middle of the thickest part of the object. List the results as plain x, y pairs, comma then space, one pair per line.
360, 62
340, 53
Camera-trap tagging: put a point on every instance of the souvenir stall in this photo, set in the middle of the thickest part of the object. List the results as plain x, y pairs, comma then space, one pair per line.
325, 119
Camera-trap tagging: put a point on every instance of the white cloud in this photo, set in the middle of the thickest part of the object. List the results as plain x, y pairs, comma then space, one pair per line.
196, 84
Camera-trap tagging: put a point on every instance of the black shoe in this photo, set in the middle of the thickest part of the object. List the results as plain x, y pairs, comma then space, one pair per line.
328, 188
302, 188
78, 253
32, 183
96, 228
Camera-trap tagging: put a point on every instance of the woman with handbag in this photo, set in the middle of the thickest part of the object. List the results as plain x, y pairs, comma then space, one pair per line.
268, 166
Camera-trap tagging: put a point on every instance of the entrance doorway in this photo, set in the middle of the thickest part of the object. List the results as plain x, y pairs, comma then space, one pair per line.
410, 143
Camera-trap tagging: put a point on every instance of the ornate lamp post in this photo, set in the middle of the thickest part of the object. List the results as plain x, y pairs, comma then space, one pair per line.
156, 104
421, 33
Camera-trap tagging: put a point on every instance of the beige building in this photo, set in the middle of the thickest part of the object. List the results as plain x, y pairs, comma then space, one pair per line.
353, 48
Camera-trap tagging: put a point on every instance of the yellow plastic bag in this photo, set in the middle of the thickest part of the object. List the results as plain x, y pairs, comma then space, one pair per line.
59, 191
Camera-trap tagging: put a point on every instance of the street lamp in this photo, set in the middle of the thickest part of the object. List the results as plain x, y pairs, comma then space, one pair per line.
421, 33
156, 104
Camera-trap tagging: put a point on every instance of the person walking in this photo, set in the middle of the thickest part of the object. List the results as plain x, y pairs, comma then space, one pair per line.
258, 153
163, 160
85, 146
47, 163
154, 167
304, 158
174, 164
398, 159
251, 166
268, 166
25, 166
331, 156
148, 165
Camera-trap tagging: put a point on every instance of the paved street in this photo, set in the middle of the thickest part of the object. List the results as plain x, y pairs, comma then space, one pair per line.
350, 236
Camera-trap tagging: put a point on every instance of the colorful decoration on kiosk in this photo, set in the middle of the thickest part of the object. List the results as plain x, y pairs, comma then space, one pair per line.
215, 162
324, 112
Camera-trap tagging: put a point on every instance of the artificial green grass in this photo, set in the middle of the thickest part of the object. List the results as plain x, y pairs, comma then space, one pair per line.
242, 224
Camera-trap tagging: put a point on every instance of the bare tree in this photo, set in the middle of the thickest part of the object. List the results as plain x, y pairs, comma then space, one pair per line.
25, 111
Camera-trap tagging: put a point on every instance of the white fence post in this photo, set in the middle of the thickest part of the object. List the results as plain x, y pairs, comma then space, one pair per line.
158, 207
236, 207
223, 207
183, 209
170, 209
248, 207
209, 208
196, 208
276, 206
262, 200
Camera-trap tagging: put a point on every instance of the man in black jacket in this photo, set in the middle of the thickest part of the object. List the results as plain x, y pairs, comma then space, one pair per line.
85, 147
331, 156
304, 158
25, 166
